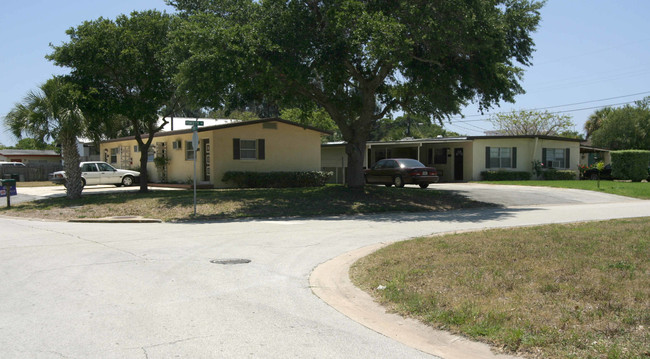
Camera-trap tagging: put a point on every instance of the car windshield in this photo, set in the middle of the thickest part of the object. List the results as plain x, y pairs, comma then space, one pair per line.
410, 163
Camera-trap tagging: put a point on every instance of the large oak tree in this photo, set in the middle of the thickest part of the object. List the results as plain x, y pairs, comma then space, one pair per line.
359, 59
125, 72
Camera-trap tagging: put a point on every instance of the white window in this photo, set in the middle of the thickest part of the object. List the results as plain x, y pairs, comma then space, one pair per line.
248, 149
555, 157
189, 151
114, 155
501, 157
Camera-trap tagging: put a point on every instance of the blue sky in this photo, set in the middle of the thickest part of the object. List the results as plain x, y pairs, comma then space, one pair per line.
589, 54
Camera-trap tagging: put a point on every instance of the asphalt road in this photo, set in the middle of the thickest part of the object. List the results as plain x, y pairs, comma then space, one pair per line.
73, 290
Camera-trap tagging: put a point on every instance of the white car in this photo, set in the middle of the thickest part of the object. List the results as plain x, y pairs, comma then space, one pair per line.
94, 173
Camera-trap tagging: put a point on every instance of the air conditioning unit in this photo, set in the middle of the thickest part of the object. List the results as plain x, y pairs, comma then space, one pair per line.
177, 145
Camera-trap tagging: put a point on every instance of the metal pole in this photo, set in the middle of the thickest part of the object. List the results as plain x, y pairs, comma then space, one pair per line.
195, 145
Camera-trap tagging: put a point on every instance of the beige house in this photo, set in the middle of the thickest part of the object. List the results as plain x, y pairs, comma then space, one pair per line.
464, 158
30, 156
265, 145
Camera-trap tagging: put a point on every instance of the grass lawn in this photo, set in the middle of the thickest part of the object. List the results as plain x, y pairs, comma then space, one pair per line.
629, 189
556, 291
238, 203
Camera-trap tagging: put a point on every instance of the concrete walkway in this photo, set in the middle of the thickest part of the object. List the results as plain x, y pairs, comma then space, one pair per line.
104, 290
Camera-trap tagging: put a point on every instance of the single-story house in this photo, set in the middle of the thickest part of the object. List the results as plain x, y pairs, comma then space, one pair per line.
30, 156
464, 158
264, 145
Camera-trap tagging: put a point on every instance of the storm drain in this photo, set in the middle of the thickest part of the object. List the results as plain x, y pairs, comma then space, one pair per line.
231, 261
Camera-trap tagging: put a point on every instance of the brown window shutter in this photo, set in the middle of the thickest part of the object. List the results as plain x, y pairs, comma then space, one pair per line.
235, 149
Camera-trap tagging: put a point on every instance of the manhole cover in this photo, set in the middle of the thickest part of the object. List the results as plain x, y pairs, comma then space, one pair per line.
231, 261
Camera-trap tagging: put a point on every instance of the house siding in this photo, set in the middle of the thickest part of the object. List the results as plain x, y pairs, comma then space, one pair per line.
287, 147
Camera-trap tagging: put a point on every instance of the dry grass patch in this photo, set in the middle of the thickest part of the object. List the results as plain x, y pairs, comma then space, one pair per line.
557, 291
255, 203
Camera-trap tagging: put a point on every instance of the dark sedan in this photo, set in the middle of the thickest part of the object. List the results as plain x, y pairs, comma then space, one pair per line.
400, 171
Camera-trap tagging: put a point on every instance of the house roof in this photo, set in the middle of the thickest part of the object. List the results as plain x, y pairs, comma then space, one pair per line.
452, 139
29, 153
223, 126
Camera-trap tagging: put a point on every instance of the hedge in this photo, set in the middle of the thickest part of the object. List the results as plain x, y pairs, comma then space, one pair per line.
505, 175
244, 179
559, 175
630, 164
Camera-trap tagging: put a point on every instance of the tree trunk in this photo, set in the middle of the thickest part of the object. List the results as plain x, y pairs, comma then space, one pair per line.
144, 177
74, 185
356, 152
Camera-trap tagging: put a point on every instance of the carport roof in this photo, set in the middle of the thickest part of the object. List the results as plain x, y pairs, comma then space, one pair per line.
452, 140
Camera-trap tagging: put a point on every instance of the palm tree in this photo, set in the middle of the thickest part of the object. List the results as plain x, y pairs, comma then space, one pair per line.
52, 112
595, 120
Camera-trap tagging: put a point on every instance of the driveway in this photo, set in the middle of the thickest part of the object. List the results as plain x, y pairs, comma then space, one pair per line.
517, 196
73, 290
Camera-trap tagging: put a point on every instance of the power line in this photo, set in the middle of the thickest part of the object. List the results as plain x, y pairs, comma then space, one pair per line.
460, 119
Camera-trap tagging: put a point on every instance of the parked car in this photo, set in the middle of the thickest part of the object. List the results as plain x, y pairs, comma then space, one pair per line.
400, 171
605, 174
94, 173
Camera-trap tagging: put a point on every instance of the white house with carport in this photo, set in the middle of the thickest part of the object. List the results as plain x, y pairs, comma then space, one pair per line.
464, 158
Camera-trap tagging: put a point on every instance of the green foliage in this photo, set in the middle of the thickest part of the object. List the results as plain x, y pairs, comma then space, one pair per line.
244, 179
527, 122
125, 72
502, 175
52, 112
314, 117
408, 126
630, 164
28, 143
559, 175
356, 59
624, 128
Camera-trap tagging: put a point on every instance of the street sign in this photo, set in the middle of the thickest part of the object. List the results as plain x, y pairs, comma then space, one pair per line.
194, 123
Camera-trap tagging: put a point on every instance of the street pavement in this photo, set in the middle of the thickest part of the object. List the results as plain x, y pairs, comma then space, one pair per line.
106, 290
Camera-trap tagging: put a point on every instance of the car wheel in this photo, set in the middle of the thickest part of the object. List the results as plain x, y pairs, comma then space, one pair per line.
83, 182
593, 177
127, 181
424, 185
398, 181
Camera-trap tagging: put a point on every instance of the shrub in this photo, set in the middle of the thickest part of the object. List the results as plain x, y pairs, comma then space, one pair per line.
630, 164
559, 175
505, 175
245, 179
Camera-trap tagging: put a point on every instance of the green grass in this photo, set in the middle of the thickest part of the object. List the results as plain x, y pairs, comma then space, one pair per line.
556, 291
630, 189
244, 203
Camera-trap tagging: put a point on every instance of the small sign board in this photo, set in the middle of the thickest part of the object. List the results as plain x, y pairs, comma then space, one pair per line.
194, 123
12, 191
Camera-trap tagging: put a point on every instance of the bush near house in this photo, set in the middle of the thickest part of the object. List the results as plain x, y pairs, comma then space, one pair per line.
505, 175
559, 175
630, 164
244, 179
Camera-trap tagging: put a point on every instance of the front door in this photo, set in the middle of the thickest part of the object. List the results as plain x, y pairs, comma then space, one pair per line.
206, 160
458, 164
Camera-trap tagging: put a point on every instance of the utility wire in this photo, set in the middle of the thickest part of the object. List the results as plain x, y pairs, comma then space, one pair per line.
460, 119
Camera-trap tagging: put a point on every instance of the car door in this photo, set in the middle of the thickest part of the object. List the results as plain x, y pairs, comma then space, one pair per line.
374, 174
108, 174
90, 173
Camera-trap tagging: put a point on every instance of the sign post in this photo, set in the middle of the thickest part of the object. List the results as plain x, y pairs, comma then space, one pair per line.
195, 145
8, 189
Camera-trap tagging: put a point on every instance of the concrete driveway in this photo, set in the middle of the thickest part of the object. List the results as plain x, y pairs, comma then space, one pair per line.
72, 290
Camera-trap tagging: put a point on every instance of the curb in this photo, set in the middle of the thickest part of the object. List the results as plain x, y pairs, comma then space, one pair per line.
119, 219
330, 282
